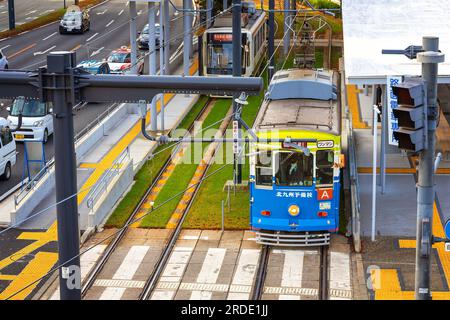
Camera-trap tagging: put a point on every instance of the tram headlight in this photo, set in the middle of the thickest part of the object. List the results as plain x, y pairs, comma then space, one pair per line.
294, 210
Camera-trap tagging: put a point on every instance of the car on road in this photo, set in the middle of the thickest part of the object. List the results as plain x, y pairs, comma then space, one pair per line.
3, 61
95, 66
7, 150
142, 40
75, 20
120, 61
37, 120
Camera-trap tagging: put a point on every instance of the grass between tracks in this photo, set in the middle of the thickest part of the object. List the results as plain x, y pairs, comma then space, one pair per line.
183, 173
44, 19
148, 173
206, 211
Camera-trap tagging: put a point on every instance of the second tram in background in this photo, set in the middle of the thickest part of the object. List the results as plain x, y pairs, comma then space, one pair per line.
217, 43
295, 187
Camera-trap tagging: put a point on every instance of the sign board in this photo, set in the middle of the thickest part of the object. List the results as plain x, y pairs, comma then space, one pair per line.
235, 136
391, 105
447, 229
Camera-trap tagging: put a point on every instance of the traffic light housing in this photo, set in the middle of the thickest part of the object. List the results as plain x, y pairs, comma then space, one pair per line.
411, 113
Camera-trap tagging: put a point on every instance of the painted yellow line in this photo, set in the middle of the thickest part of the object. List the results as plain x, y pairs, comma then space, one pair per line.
21, 51
353, 104
7, 277
38, 267
75, 48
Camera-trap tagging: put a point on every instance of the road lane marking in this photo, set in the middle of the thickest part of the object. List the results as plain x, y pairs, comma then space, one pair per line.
120, 12
48, 37
21, 51
97, 51
92, 37
31, 12
76, 47
103, 12
126, 271
38, 267
245, 273
5, 47
44, 52
109, 23
209, 272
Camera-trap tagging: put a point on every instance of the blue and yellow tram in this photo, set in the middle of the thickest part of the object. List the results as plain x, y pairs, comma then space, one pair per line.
295, 187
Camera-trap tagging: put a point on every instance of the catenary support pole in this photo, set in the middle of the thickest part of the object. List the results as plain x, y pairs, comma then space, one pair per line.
374, 170
11, 14
152, 61
162, 8
287, 30
425, 186
186, 39
133, 33
237, 72
271, 44
384, 138
59, 64
167, 8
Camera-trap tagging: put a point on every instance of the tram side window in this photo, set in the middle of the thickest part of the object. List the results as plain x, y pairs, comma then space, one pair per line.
324, 164
294, 169
264, 168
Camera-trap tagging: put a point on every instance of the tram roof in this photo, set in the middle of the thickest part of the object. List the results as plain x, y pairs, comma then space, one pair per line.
370, 26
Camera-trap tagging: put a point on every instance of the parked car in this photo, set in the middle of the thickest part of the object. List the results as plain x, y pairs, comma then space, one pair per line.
37, 121
7, 150
142, 40
120, 61
75, 20
95, 66
3, 61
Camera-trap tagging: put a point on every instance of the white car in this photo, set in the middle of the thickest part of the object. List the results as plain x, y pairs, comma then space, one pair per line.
37, 121
7, 150
3, 61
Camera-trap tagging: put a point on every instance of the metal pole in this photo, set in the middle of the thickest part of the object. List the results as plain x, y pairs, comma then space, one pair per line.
167, 8
374, 170
186, 40
133, 33
161, 57
237, 71
12, 15
223, 217
384, 138
271, 44
209, 5
65, 177
225, 4
191, 38
287, 30
425, 185
152, 61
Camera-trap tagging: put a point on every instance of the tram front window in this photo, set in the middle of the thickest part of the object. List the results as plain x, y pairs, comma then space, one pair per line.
264, 168
294, 169
324, 164
220, 58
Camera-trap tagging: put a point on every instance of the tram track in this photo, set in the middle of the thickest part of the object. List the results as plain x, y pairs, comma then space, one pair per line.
204, 165
261, 273
323, 277
97, 269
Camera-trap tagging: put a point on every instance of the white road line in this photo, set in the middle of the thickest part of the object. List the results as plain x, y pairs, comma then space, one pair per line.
109, 23
48, 37
31, 12
97, 51
339, 273
3, 12
126, 271
103, 12
120, 12
44, 52
91, 37
209, 272
173, 272
5, 47
245, 272
87, 262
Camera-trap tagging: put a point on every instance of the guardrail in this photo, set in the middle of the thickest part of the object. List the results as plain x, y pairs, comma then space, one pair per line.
354, 186
30, 185
102, 185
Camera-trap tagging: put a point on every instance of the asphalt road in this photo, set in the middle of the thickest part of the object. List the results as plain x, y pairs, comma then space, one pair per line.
109, 30
27, 10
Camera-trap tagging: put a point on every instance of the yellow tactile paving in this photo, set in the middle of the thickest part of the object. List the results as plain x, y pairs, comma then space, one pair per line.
38, 267
353, 104
7, 277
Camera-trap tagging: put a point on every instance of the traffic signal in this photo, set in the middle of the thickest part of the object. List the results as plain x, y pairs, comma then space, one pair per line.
411, 113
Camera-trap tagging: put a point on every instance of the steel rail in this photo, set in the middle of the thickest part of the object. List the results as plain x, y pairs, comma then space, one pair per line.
323, 276
93, 274
261, 273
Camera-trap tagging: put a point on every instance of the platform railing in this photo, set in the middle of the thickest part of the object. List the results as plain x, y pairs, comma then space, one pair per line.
354, 186
102, 185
